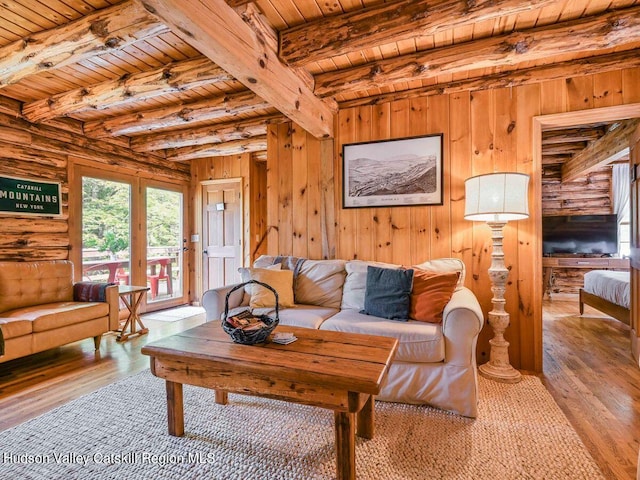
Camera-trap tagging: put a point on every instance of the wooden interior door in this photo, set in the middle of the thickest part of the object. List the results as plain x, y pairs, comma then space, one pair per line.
634, 165
222, 222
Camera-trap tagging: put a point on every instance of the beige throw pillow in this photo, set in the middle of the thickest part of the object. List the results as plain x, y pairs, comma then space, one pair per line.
280, 280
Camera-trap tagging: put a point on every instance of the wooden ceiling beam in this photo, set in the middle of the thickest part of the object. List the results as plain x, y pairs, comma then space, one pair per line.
217, 133
388, 23
511, 78
104, 31
128, 89
235, 147
217, 31
588, 35
176, 115
601, 152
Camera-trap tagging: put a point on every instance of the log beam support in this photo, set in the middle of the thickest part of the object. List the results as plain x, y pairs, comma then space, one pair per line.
246, 52
129, 89
104, 31
388, 23
617, 28
608, 148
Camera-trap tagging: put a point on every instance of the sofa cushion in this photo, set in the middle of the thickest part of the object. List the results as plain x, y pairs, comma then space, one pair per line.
320, 282
35, 283
59, 314
418, 342
430, 294
387, 294
445, 265
280, 280
356, 283
15, 327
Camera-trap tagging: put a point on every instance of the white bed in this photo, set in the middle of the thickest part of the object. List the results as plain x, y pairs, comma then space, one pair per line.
607, 291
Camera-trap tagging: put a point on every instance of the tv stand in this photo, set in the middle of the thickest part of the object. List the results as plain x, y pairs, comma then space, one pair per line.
591, 263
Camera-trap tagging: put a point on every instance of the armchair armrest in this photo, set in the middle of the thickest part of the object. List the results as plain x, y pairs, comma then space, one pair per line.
213, 301
462, 321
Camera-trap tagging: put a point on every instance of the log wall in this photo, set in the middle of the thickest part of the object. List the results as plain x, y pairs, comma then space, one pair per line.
42, 152
485, 131
589, 195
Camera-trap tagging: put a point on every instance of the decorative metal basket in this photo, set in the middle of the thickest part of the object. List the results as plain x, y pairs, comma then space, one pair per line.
250, 337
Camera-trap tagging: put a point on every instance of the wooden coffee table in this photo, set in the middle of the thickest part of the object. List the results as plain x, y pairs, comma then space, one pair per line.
339, 371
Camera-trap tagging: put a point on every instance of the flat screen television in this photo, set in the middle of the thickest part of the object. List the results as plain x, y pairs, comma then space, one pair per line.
580, 235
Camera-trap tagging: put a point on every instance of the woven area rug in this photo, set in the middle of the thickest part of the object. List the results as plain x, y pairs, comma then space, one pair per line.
120, 432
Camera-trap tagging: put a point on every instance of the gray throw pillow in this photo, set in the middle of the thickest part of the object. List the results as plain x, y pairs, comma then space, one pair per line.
388, 293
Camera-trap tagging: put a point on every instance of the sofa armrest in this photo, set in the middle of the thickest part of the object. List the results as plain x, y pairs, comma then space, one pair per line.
462, 321
213, 301
100, 292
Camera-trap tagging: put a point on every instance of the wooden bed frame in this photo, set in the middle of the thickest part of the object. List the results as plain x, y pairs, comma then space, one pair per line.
605, 306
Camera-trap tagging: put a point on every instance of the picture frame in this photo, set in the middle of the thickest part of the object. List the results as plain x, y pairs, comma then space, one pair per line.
393, 173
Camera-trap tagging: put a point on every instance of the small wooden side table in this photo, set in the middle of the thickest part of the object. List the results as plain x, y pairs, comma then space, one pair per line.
132, 296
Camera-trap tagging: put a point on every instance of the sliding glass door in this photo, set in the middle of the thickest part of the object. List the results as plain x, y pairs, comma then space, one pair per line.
106, 230
131, 232
165, 244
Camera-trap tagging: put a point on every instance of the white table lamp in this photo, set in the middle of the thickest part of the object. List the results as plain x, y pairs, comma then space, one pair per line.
496, 198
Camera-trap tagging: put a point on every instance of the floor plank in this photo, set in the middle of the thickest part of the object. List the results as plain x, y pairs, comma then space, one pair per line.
587, 368
33, 385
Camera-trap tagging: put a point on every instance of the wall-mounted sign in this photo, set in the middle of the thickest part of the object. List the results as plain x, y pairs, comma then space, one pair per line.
29, 197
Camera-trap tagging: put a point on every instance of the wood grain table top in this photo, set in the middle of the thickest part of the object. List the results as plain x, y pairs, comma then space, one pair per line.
347, 361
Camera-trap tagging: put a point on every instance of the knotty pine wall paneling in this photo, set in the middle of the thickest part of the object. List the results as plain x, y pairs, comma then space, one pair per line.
420, 218
400, 216
381, 217
364, 242
300, 203
254, 181
258, 209
484, 131
299, 193
526, 313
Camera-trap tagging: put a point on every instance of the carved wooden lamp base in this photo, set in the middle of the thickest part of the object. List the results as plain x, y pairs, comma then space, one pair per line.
498, 367
499, 371
497, 198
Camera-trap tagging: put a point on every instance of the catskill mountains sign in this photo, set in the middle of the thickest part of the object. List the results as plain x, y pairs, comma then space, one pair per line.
29, 197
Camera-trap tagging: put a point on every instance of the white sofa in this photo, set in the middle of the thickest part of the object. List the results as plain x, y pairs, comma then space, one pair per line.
435, 363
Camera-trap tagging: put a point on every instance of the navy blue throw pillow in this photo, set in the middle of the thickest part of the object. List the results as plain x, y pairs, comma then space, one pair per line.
388, 293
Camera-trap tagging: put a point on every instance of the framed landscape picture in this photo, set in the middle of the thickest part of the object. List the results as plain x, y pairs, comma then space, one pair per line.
392, 173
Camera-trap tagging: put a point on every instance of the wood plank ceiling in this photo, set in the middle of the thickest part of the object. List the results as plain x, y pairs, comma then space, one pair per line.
185, 79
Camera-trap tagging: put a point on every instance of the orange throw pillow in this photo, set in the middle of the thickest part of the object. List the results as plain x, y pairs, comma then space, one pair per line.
430, 294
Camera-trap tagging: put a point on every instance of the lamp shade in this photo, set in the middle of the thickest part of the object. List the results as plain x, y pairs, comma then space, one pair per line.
497, 197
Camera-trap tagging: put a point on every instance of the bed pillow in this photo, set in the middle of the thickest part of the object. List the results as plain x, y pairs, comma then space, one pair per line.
387, 293
430, 294
280, 280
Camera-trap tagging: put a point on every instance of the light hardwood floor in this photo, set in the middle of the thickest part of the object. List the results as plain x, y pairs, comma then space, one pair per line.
587, 368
